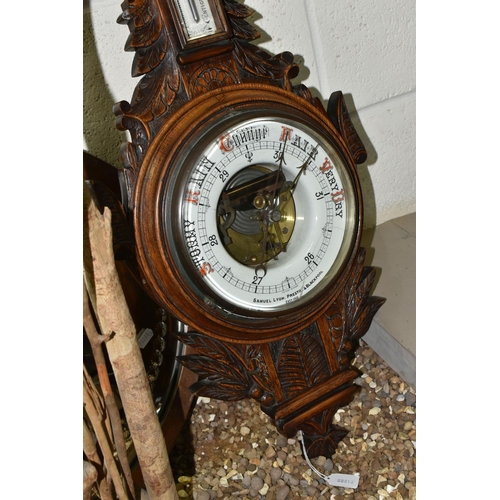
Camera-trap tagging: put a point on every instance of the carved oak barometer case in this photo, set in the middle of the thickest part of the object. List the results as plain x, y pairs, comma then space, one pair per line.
246, 210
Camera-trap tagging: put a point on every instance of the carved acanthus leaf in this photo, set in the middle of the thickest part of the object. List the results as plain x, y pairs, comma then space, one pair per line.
351, 314
244, 30
302, 362
209, 347
236, 9
220, 380
260, 63
147, 37
321, 436
159, 86
227, 371
236, 12
362, 307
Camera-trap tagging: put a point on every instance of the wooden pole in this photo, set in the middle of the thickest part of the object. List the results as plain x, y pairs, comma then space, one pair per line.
124, 354
89, 478
96, 341
95, 413
90, 451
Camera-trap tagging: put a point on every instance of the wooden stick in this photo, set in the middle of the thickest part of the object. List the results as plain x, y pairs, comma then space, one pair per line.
90, 451
126, 360
114, 415
89, 478
95, 414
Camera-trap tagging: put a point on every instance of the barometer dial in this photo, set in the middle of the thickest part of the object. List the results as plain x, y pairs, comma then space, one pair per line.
267, 213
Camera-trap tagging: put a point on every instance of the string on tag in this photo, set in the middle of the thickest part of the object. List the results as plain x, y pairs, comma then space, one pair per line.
343, 480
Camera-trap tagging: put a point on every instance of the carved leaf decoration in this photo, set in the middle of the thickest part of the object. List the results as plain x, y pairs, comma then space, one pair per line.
360, 307
227, 372
236, 9
152, 96
160, 84
256, 366
302, 91
325, 445
147, 37
260, 63
218, 380
219, 389
321, 435
147, 59
242, 29
364, 320
354, 143
306, 362
209, 347
236, 13
352, 313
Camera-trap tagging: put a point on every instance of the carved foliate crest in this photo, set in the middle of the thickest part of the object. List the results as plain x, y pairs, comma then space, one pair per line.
166, 84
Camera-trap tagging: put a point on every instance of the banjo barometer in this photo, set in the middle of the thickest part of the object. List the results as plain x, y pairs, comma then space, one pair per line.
245, 206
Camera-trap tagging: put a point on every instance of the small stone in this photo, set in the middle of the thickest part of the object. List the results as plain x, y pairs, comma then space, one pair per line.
311, 491
328, 465
291, 480
244, 431
281, 441
408, 425
264, 489
256, 483
201, 495
275, 475
410, 399
282, 492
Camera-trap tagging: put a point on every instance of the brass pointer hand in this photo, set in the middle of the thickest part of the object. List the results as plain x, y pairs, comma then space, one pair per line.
279, 175
303, 168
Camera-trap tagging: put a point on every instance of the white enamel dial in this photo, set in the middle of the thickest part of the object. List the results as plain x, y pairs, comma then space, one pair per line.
266, 215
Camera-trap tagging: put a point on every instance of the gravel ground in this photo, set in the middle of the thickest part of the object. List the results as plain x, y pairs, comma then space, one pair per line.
231, 449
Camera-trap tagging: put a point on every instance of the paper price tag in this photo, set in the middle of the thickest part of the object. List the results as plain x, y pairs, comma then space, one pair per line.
144, 336
343, 480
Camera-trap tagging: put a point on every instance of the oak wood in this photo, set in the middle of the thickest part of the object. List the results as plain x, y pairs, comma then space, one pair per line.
296, 366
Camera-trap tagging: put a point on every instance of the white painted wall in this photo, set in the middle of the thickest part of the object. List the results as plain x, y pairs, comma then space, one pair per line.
364, 48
